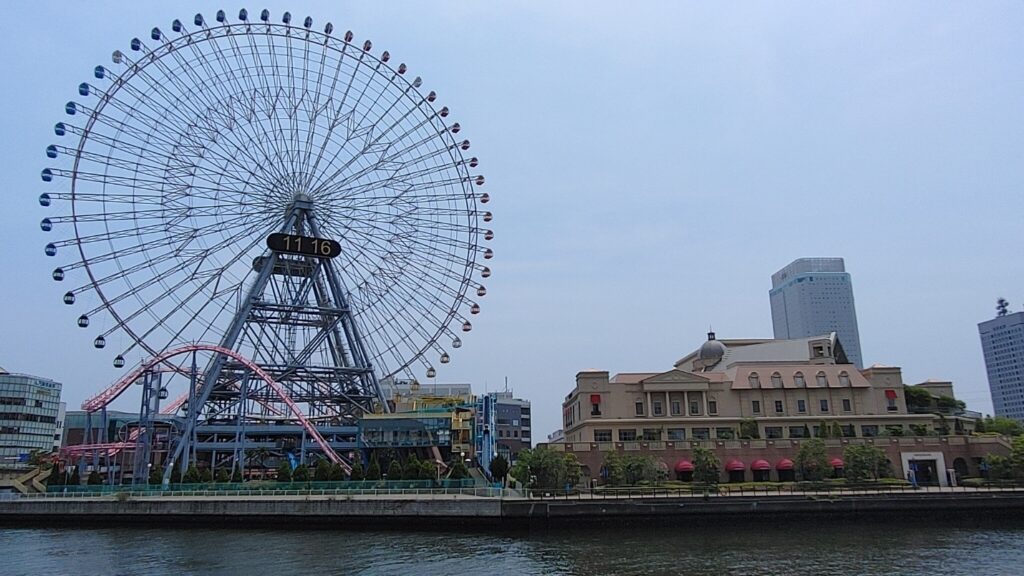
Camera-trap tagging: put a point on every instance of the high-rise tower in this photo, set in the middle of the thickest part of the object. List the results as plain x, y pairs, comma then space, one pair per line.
812, 297
1002, 341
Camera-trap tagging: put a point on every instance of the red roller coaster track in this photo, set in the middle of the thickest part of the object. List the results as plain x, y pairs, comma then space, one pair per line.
107, 396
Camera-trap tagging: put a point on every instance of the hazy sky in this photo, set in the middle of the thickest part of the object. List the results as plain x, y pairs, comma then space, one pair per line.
651, 165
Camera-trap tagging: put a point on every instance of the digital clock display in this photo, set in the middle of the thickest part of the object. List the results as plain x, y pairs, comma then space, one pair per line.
304, 245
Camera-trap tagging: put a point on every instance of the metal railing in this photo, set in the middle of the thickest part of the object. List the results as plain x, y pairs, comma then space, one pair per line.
340, 493
818, 490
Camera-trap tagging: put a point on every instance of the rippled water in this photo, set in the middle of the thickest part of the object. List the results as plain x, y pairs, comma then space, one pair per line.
791, 549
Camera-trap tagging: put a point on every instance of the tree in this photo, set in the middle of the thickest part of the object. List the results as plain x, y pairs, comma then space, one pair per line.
395, 470
999, 467
1000, 425
499, 468
284, 472
630, 469
1017, 457
457, 469
862, 462
222, 476
917, 398
206, 475
748, 429
357, 470
824, 430
373, 472
705, 466
428, 469
322, 472
301, 473
812, 460
75, 479
236, 474
191, 475
94, 478
56, 477
412, 469
336, 473
546, 468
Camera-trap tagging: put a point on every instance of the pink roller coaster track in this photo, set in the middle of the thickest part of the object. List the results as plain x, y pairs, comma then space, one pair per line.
107, 396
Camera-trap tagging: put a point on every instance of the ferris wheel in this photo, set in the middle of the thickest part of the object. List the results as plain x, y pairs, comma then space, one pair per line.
189, 150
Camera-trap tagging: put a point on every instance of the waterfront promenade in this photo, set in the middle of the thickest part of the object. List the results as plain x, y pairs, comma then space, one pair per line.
491, 506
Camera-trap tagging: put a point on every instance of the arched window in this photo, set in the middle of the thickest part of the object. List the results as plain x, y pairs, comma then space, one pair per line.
776, 380
753, 380
798, 379
822, 380
844, 379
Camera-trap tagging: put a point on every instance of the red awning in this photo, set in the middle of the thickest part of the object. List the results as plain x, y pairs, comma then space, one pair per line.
595, 398
734, 465
784, 464
890, 394
760, 465
837, 462
684, 466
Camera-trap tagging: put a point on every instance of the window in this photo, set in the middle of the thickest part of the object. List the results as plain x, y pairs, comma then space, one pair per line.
652, 434
801, 406
701, 433
676, 408
725, 433
595, 409
798, 379
844, 379
848, 431
824, 405
712, 407
890, 397
847, 407
627, 435
778, 406
677, 433
773, 431
639, 408
694, 408
822, 380
657, 408
755, 405
515, 433
776, 380
798, 432
869, 430
602, 435
753, 380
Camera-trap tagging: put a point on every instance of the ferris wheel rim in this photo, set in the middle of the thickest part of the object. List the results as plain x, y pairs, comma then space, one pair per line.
472, 248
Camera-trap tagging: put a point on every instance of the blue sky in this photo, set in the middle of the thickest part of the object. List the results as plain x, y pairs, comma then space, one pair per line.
651, 165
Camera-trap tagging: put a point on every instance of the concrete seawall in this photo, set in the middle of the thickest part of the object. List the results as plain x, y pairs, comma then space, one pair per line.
447, 512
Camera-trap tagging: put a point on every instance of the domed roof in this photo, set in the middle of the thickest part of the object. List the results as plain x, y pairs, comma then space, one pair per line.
711, 351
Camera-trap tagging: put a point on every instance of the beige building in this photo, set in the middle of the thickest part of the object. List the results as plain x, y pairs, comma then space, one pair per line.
767, 389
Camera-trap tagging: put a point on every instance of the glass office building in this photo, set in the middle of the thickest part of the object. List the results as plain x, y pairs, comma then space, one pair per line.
29, 407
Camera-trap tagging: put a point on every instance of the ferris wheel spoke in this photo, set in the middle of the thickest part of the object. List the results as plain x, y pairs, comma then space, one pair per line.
251, 87
212, 112
213, 279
